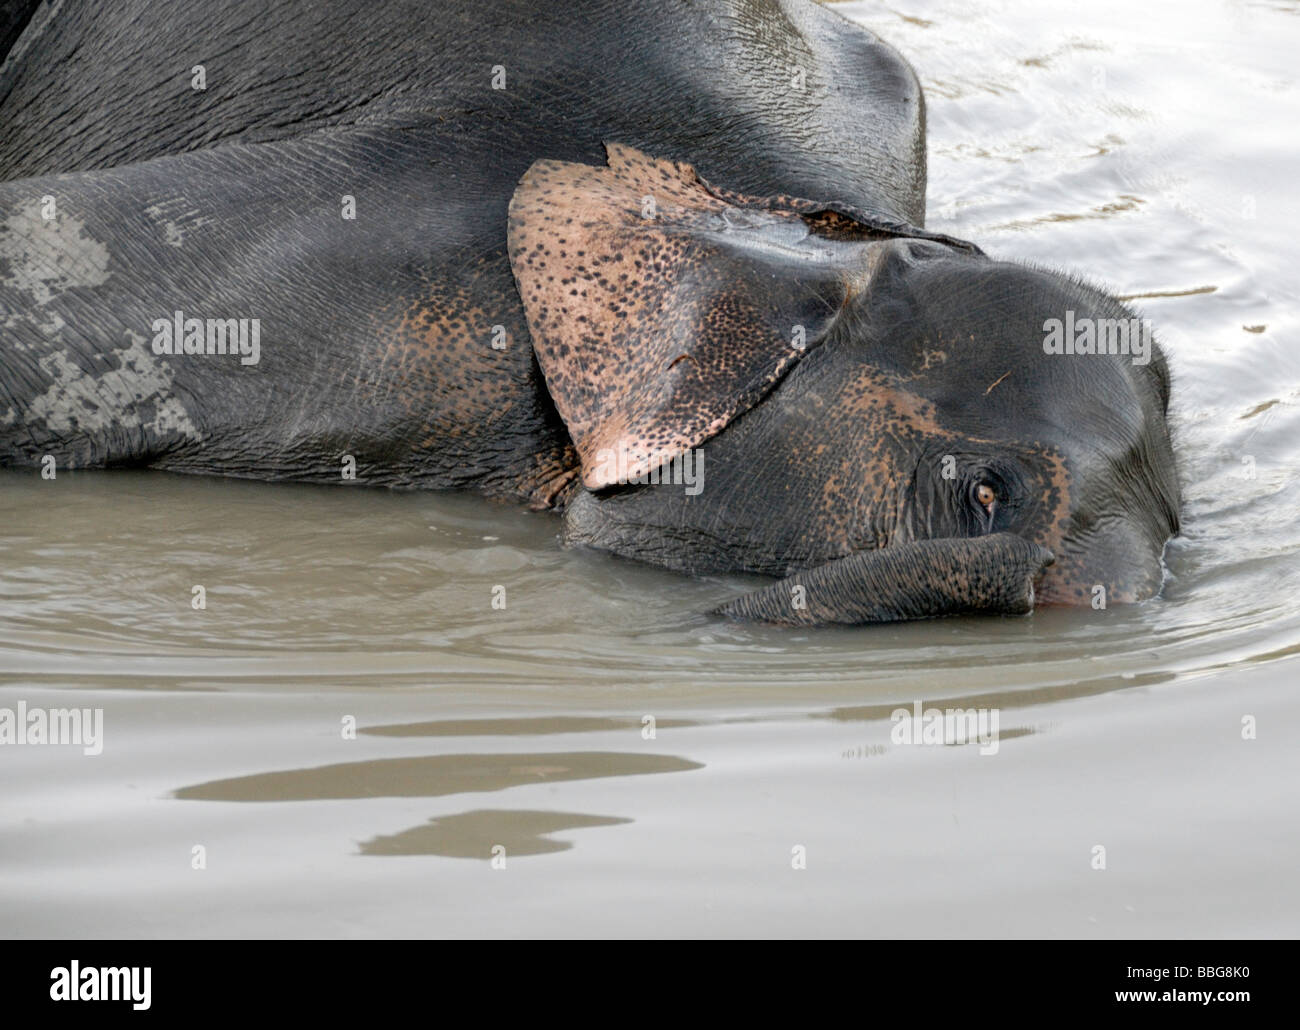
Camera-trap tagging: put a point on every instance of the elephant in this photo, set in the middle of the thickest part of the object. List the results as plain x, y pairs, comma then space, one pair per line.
660, 268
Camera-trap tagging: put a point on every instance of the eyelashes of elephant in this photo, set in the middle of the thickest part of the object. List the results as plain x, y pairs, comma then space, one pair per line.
969, 495
988, 499
991, 500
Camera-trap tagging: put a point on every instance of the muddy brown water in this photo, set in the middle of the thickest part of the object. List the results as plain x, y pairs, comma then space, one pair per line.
1150, 146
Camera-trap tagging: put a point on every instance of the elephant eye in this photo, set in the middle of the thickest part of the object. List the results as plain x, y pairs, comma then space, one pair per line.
985, 495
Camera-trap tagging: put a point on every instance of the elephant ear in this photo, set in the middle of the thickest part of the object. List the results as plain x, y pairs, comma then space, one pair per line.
661, 309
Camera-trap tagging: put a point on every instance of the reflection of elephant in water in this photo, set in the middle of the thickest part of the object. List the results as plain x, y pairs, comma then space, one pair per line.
452, 276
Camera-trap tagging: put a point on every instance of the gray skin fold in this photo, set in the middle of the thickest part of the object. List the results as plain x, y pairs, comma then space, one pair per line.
929, 578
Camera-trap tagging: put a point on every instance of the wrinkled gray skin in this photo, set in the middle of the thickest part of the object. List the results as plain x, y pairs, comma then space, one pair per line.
226, 202
1075, 447
893, 584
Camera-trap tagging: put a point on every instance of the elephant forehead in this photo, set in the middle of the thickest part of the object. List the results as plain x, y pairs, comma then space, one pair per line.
860, 439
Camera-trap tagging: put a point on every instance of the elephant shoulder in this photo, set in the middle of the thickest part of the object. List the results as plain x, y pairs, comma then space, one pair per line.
874, 105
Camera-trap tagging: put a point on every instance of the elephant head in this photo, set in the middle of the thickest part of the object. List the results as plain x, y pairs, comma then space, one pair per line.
903, 424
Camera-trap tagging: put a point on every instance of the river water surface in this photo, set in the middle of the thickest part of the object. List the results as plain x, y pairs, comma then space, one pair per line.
1151, 146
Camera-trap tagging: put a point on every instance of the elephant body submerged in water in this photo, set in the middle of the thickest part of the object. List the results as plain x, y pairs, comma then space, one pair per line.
548, 254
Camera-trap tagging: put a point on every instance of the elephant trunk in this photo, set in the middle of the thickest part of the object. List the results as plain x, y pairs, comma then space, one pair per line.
926, 579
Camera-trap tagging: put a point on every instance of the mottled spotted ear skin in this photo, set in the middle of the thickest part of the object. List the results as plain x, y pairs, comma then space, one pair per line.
661, 308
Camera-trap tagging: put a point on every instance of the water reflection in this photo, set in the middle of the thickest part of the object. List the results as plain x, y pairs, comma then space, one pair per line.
476, 834
1007, 699
430, 776
539, 726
